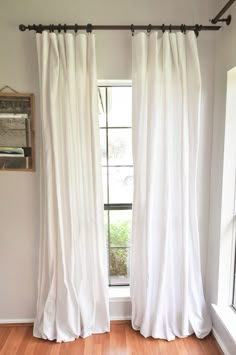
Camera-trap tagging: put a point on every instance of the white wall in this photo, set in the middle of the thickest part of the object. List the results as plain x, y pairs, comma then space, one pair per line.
19, 193
219, 265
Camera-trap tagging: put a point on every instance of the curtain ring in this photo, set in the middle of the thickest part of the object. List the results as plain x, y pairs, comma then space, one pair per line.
170, 28
59, 28
50, 28
182, 28
197, 29
163, 28
65, 28
76, 28
39, 30
89, 28
149, 28
132, 29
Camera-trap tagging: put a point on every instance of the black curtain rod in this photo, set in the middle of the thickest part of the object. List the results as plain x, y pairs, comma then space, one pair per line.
218, 18
89, 28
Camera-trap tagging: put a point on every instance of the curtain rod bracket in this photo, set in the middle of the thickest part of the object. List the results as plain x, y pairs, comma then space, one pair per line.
227, 20
218, 17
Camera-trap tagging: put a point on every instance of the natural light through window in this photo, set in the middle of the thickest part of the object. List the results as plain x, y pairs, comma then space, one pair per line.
230, 115
115, 103
227, 284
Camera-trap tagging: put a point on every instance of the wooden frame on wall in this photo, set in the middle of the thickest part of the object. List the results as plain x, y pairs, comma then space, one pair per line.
17, 132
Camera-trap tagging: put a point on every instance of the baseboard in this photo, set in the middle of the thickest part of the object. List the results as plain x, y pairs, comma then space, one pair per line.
17, 321
223, 319
120, 309
121, 321
220, 342
120, 318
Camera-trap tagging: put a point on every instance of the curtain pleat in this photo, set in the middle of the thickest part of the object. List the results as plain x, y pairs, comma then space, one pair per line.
166, 283
72, 285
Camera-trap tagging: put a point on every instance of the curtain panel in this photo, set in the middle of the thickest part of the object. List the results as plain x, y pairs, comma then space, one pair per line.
166, 284
72, 286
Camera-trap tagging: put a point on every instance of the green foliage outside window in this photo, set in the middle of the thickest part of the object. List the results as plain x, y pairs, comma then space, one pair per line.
119, 250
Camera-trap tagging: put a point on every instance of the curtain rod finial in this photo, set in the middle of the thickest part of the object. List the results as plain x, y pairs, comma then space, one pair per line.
22, 27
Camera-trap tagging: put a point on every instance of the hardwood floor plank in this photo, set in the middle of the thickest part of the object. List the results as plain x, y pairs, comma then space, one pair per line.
117, 339
133, 343
122, 340
32, 344
73, 348
211, 345
25, 341
13, 341
105, 342
4, 334
201, 346
181, 346
168, 347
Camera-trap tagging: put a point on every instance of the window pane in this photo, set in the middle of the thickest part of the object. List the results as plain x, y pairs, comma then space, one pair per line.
120, 146
120, 106
103, 146
120, 185
104, 184
119, 262
120, 228
234, 301
102, 106
234, 282
115, 125
106, 226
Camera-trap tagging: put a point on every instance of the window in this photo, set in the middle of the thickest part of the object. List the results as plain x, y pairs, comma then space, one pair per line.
234, 283
227, 281
117, 171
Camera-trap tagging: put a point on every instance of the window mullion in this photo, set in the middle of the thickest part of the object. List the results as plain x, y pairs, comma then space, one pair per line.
117, 206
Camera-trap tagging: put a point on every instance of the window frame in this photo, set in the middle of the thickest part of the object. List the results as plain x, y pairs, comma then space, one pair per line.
234, 284
113, 206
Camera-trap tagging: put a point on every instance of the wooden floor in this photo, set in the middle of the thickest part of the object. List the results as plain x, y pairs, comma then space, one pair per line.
120, 341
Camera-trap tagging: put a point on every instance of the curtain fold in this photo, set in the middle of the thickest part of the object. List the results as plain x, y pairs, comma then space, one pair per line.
166, 284
72, 286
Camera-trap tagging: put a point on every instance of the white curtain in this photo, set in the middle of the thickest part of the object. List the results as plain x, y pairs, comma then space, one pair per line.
166, 283
72, 287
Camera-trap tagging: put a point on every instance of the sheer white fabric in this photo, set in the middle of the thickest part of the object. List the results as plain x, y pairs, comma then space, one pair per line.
166, 285
72, 287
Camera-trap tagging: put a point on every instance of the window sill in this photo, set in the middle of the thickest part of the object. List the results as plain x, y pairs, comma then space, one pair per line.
119, 293
227, 316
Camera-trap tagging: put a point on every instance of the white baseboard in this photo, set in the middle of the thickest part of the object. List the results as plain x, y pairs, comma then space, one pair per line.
224, 322
17, 321
120, 318
220, 342
25, 321
120, 309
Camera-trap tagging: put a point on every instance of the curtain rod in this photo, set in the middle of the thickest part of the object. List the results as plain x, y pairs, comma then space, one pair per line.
218, 18
89, 28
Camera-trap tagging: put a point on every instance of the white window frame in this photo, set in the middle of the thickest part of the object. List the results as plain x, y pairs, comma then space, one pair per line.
224, 314
228, 206
123, 290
